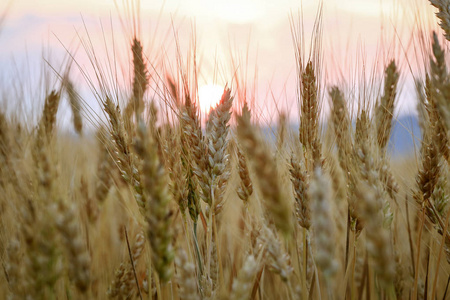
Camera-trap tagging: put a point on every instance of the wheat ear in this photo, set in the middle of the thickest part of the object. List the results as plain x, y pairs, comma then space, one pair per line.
444, 15
310, 110
276, 204
158, 214
384, 110
78, 258
187, 284
126, 160
299, 178
243, 284
75, 104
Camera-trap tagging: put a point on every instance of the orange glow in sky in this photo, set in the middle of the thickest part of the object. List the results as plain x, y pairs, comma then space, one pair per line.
241, 37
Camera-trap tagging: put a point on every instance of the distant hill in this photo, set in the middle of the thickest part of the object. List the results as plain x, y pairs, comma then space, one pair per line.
405, 136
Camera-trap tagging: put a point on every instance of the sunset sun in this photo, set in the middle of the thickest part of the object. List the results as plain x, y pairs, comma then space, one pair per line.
209, 95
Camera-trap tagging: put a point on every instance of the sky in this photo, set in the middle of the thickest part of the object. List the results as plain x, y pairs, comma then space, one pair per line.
250, 39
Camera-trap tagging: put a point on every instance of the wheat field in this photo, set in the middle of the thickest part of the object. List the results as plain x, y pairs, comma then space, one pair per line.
156, 201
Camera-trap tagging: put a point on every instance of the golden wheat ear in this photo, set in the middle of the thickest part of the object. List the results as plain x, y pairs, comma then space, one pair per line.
124, 285
126, 160
242, 285
299, 178
378, 236
438, 93
444, 15
75, 105
309, 118
48, 119
187, 284
384, 110
245, 189
217, 159
342, 127
140, 82
277, 206
158, 213
78, 257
